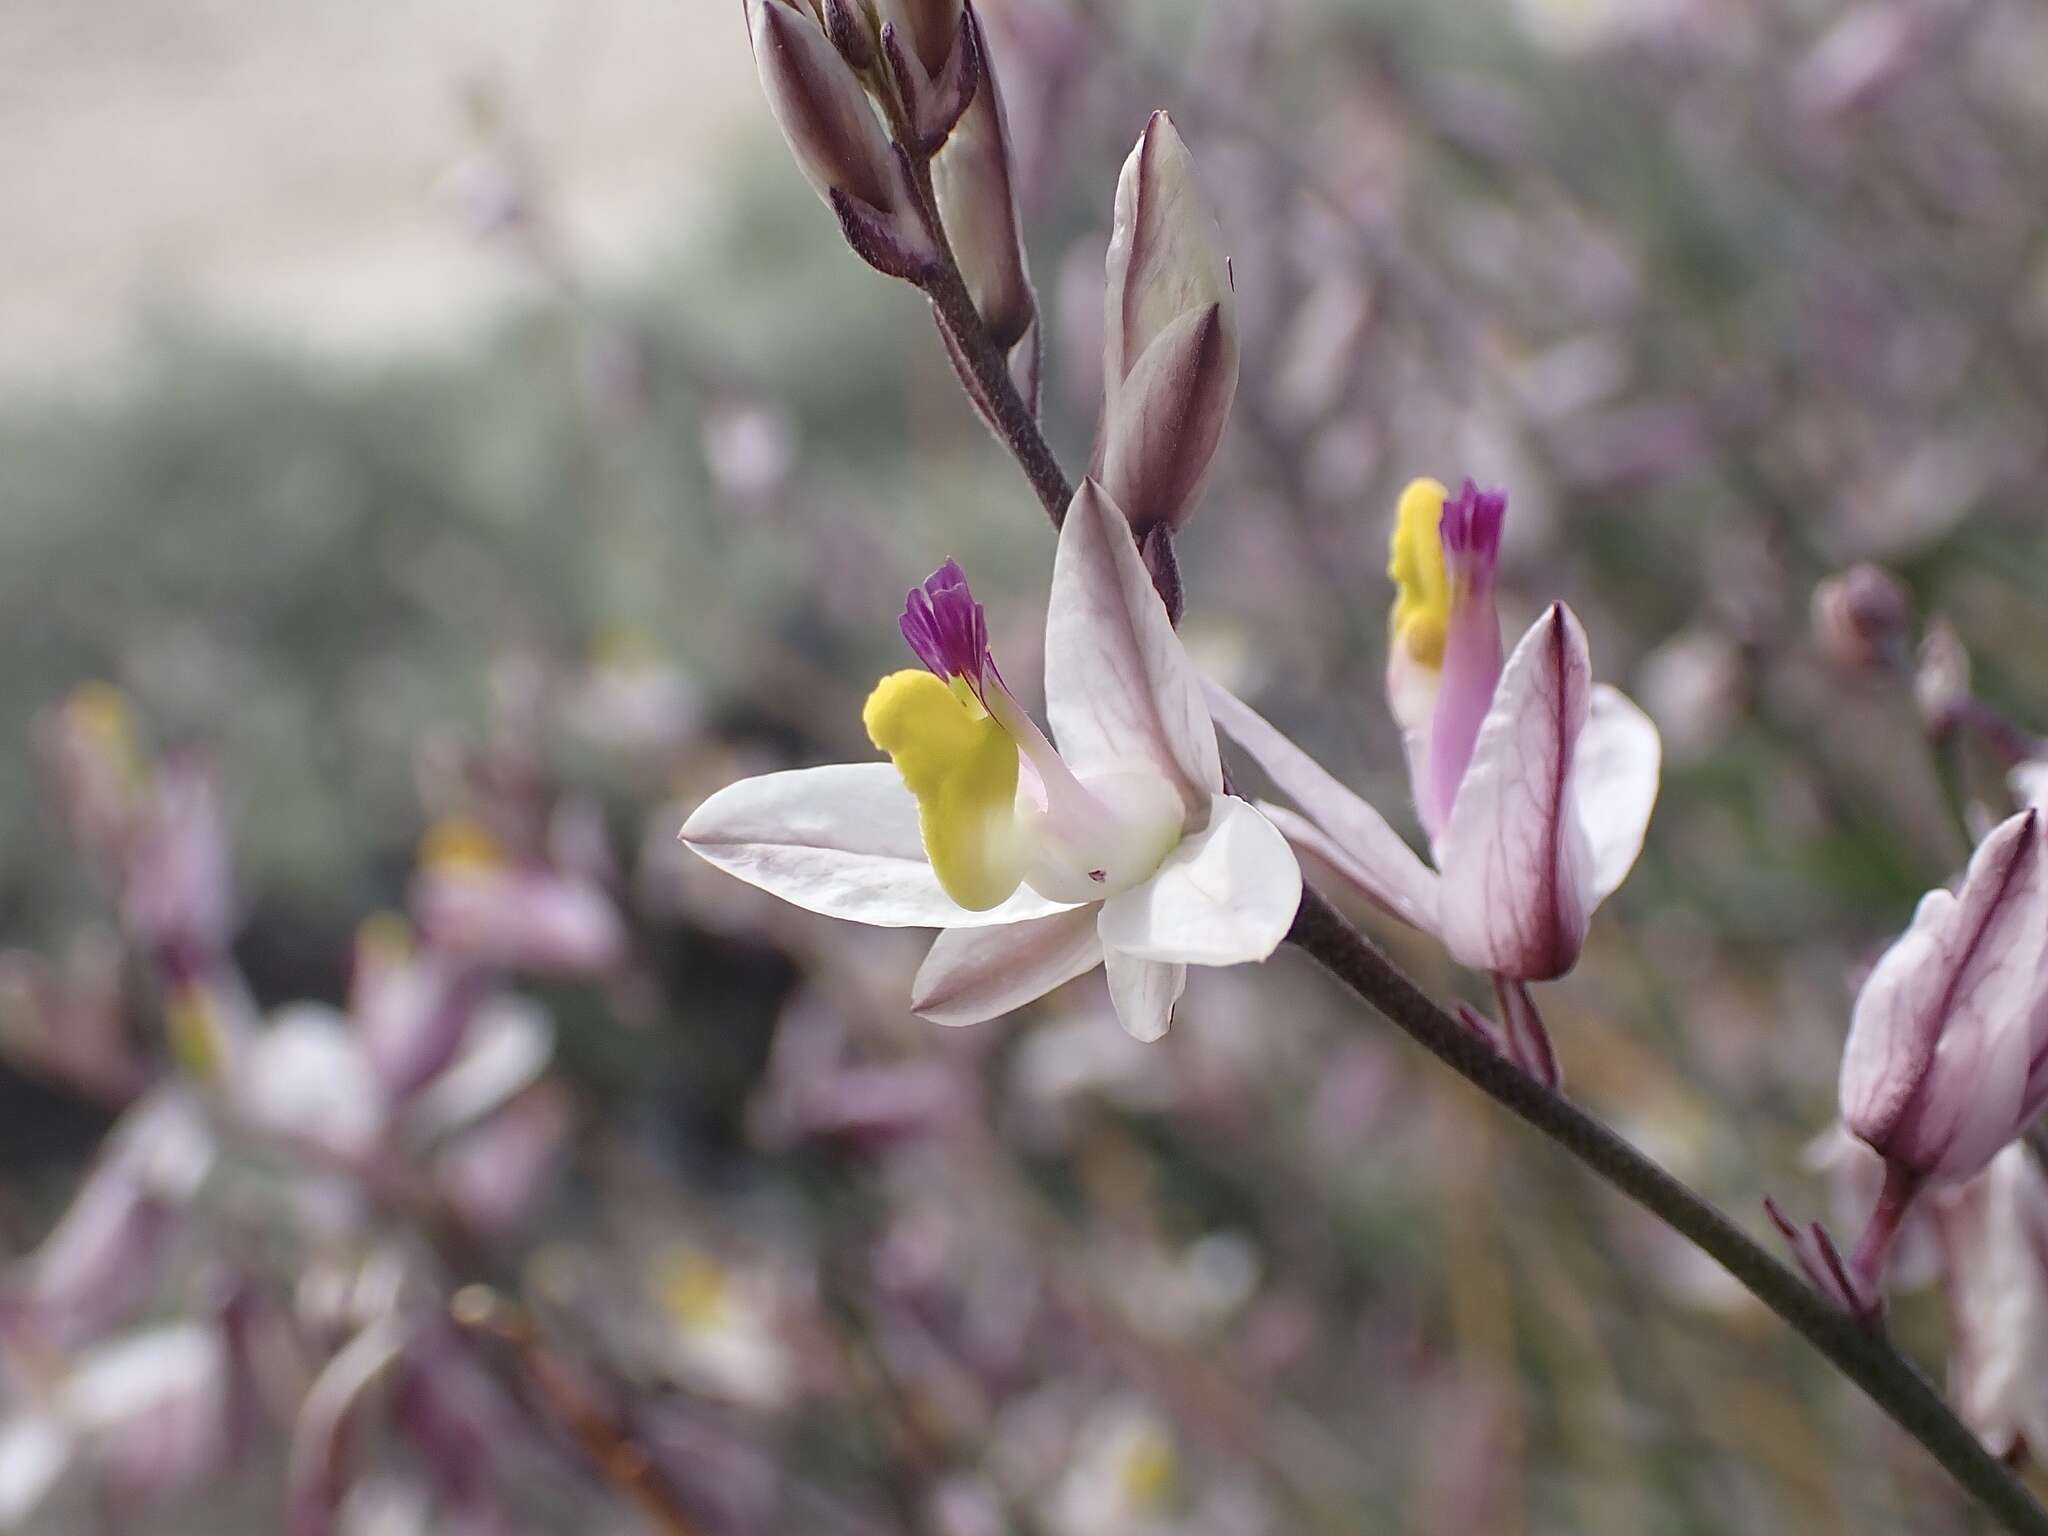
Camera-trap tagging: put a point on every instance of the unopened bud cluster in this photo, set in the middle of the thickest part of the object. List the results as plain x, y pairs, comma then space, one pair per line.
893, 112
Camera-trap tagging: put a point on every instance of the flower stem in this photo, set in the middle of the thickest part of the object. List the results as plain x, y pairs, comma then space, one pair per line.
1889, 1214
1865, 1356
1862, 1354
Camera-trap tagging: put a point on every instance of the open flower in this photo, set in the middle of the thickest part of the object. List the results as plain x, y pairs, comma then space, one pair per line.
1533, 783
1117, 848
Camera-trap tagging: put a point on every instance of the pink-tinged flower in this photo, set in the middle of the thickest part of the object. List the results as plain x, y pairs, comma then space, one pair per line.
1119, 848
1993, 1233
1945, 1062
101, 1265
427, 1060
1533, 783
478, 904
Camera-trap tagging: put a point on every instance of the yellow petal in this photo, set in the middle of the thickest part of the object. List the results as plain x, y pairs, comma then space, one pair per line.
1415, 560
962, 767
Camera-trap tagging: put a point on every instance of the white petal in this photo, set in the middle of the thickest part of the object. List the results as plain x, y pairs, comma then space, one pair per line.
509, 1044
1144, 992
1355, 839
982, 973
34, 1451
1517, 866
840, 840
307, 1077
1614, 785
1119, 690
1224, 896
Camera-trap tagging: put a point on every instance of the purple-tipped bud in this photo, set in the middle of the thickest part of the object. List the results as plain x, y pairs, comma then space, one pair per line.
1860, 617
946, 627
1170, 349
838, 140
1936, 1071
1470, 532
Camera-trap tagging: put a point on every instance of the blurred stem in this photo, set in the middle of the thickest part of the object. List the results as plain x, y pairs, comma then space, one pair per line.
1862, 1354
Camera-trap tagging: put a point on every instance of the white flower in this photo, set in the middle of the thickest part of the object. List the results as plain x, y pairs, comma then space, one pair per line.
1118, 849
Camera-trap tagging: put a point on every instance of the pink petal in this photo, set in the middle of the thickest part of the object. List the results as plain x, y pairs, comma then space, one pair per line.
1352, 837
1517, 866
973, 974
1614, 785
1144, 992
1119, 690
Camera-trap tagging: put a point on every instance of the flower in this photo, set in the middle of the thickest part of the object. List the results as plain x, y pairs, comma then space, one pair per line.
1945, 1061
1993, 1233
1533, 783
1119, 848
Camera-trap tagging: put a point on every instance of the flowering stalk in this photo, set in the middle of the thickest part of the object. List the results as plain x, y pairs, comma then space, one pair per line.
1865, 1356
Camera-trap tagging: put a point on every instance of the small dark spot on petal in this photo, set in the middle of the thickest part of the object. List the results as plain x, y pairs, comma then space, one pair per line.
1098, 875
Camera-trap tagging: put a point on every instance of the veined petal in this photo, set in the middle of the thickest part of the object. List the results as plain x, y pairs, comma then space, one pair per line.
983, 973
1936, 1064
1224, 896
1144, 992
961, 764
1517, 866
1119, 689
1614, 786
843, 841
1359, 843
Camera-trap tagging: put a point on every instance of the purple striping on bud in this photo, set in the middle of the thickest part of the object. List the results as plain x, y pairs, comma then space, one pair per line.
946, 627
1170, 350
1935, 1075
839, 142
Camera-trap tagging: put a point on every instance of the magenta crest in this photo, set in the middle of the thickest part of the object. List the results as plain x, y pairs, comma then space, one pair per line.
946, 627
1471, 528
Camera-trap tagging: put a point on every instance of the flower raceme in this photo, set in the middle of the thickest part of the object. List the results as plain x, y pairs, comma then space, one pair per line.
1533, 783
1117, 847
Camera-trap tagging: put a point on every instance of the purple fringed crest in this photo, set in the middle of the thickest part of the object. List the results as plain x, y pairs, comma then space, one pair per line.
1470, 530
946, 627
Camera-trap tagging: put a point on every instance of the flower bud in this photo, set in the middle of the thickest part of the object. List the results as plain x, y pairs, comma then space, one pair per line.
839, 143
1860, 617
1936, 1072
975, 183
1994, 1239
1941, 680
1170, 350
